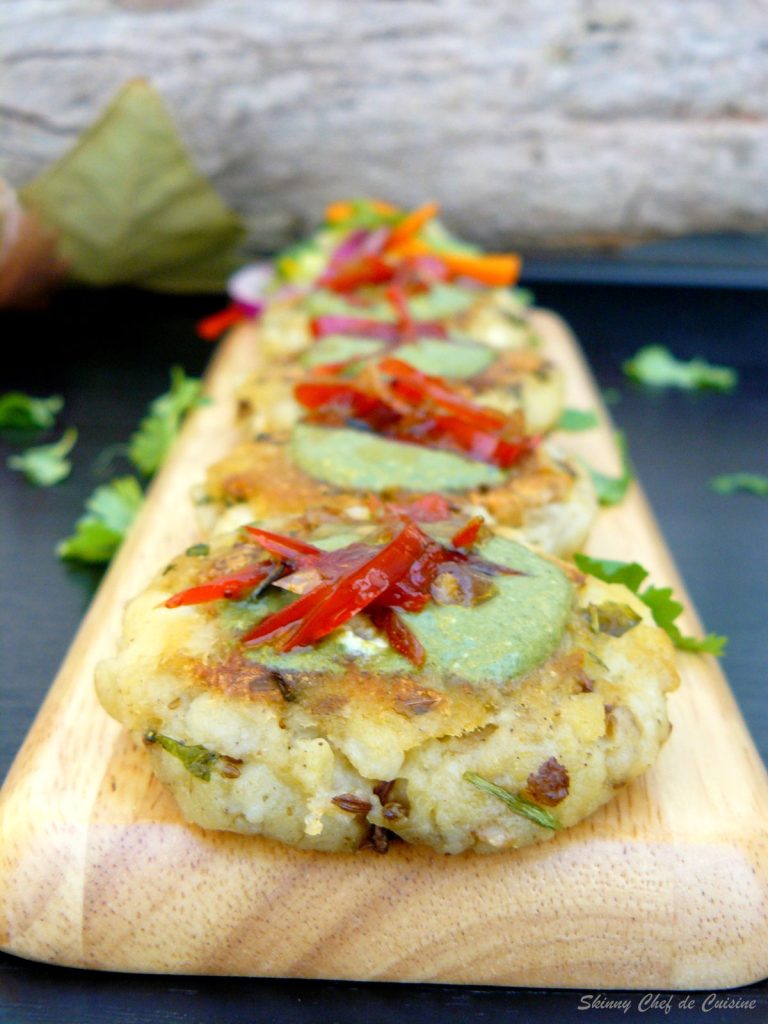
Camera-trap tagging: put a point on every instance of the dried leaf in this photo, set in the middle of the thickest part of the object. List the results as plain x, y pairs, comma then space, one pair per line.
131, 208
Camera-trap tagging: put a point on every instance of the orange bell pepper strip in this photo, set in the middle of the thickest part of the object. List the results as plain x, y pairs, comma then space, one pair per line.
498, 270
410, 226
494, 269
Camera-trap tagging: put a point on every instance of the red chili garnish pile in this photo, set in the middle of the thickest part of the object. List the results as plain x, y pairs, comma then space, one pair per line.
399, 401
405, 571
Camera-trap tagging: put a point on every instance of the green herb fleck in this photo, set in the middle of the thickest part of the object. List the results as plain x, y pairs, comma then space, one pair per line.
749, 483
23, 412
519, 804
611, 490
110, 510
46, 464
655, 366
578, 419
197, 760
664, 608
198, 550
149, 445
611, 396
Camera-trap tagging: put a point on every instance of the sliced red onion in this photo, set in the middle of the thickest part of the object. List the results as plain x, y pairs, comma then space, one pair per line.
375, 241
430, 329
322, 326
381, 330
350, 249
357, 245
429, 269
246, 287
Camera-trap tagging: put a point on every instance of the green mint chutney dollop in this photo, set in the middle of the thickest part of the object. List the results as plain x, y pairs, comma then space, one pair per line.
507, 635
493, 642
360, 460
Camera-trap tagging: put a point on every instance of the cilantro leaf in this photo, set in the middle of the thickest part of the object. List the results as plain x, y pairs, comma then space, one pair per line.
750, 483
23, 412
149, 445
46, 464
519, 804
577, 419
655, 366
663, 606
665, 609
110, 510
631, 574
612, 489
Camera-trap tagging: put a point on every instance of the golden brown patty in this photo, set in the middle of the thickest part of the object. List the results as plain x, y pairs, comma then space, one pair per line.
517, 381
547, 500
346, 743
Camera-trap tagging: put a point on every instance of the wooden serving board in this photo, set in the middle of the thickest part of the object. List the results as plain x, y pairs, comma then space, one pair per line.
667, 887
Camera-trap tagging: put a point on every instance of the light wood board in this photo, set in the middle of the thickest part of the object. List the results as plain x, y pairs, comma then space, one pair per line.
667, 887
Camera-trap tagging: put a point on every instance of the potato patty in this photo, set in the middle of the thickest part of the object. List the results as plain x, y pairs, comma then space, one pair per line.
516, 381
347, 743
546, 500
496, 317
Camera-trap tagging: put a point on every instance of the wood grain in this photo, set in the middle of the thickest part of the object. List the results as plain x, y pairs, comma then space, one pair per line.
578, 124
667, 887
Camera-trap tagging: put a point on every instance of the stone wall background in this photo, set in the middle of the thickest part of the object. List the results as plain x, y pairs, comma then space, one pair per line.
576, 122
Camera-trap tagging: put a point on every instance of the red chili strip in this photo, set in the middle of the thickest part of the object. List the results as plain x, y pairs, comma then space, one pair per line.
232, 586
467, 535
284, 547
336, 396
276, 623
360, 587
330, 604
420, 386
215, 325
456, 434
412, 591
368, 270
399, 303
398, 635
